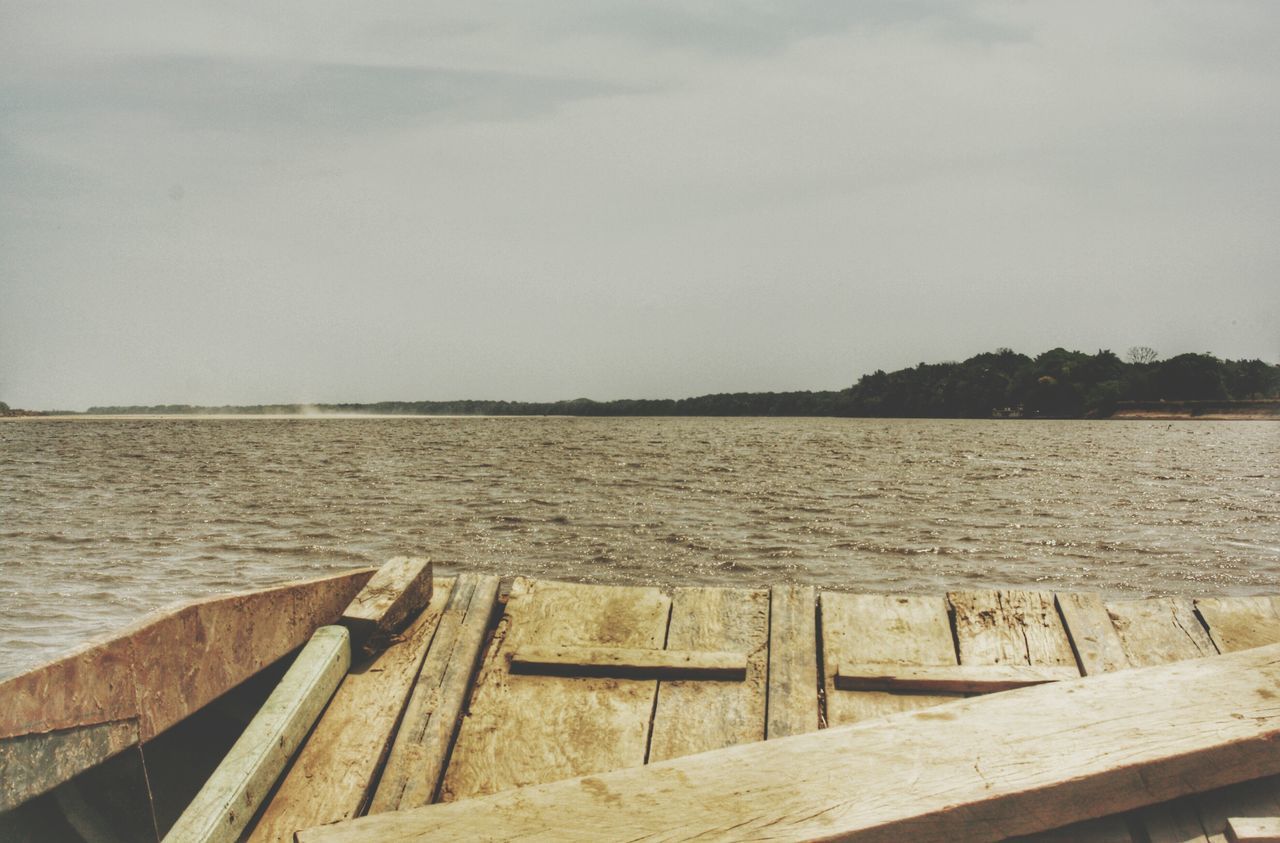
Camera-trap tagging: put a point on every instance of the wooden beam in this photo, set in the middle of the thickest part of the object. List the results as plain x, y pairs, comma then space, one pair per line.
978, 769
1253, 830
629, 662
960, 679
391, 597
332, 778
793, 661
229, 799
418, 755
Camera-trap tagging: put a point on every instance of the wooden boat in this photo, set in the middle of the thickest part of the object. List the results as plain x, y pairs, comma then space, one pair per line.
551, 710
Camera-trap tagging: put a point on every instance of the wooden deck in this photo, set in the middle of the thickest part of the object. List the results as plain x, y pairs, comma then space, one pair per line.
473, 726
495, 686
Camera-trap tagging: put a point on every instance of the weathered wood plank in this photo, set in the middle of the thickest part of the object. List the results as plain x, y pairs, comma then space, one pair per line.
630, 662
418, 756
1159, 630
1023, 629
395, 593
958, 679
178, 659
332, 777
1010, 627
227, 802
1234, 623
697, 715
1093, 636
33, 764
979, 769
1253, 830
793, 661
62, 718
885, 629
1237, 623
529, 729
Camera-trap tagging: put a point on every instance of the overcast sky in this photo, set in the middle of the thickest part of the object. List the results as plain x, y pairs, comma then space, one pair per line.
243, 202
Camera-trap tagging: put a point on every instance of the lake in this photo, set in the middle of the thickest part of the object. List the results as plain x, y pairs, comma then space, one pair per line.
104, 519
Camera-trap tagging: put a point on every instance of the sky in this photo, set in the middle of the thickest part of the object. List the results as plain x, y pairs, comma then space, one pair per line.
249, 202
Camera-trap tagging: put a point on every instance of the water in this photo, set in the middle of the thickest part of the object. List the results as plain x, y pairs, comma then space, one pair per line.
102, 520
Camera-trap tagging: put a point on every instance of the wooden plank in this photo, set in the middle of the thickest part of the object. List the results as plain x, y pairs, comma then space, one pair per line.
529, 729
1093, 636
332, 777
1010, 627
630, 662
418, 756
223, 807
792, 699
395, 593
64, 717
905, 630
33, 764
1237, 623
697, 716
958, 679
1022, 629
1160, 630
979, 769
1253, 830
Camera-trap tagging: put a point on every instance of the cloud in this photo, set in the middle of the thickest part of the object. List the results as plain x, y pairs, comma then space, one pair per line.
547, 200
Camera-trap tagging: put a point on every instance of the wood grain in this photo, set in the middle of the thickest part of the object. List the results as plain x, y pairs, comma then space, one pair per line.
1160, 630
529, 729
83, 708
1093, 636
631, 662
697, 715
222, 809
979, 769
792, 699
333, 775
1237, 623
885, 629
395, 593
420, 751
1010, 627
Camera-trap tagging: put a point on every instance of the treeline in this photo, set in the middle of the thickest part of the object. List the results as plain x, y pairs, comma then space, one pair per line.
1056, 384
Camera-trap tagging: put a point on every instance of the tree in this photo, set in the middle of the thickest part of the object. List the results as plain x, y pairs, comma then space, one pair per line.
1142, 355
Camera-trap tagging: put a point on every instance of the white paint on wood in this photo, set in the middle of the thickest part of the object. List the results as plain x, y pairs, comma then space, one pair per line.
959, 679
630, 661
234, 792
980, 769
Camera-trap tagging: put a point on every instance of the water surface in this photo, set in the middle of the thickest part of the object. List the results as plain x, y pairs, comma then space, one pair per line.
102, 520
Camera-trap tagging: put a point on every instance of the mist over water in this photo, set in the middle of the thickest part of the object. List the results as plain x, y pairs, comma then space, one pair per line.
103, 520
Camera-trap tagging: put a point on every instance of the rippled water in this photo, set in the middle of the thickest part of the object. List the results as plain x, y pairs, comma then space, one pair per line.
101, 520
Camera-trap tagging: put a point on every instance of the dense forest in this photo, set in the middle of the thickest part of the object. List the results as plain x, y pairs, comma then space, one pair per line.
1055, 384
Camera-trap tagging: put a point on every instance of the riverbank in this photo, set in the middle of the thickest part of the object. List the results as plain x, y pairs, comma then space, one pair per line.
1259, 410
